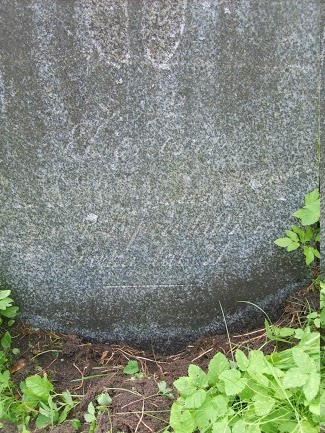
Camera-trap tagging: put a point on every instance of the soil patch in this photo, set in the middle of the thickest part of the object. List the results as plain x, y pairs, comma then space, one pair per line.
88, 369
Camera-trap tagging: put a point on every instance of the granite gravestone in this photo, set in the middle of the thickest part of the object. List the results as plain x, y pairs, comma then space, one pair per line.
322, 130
151, 151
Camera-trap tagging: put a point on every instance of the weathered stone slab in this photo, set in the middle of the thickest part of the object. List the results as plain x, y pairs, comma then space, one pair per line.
322, 131
150, 154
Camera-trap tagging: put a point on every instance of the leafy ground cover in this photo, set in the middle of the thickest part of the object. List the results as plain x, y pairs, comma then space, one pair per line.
114, 388
306, 236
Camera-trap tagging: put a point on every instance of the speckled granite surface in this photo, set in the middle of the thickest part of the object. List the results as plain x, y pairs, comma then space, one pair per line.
322, 132
150, 154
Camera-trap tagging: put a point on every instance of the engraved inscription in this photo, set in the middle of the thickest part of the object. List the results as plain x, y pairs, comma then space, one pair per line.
163, 25
103, 29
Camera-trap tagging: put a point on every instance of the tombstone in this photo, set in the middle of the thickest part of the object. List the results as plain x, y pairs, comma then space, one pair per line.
322, 129
151, 152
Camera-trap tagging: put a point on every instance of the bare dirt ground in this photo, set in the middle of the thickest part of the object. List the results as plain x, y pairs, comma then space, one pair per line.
88, 368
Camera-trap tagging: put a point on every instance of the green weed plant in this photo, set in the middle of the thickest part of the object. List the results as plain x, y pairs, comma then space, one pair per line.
103, 401
257, 393
322, 354
35, 399
307, 235
132, 368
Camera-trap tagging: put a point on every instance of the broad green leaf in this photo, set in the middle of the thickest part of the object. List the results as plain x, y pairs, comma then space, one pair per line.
185, 386
221, 426
6, 341
299, 213
4, 294
205, 415
299, 333
315, 208
220, 403
76, 424
312, 315
280, 393
314, 406
10, 312
288, 427
257, 388
309, 214
263, 406
162, 386
51, 403
294, 246
218, 364
67, 398
286, 332
4, 380
164, 390
283, 242
49, 411
89, 417
316, 252
260, 378
311, 197
91, 408
311, 387
239, 427
292, 235
302, 360
198, 376
181, 421
282, 414
308, 337
309, 255
242, 360
233, 381
278, 334
39, 386
104, 399
294, 378
64, 414
196, 399
306, 427
15, 351
299, 232
257, 361
42, 420
247, 393
5, 303
132, 367
187, 422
